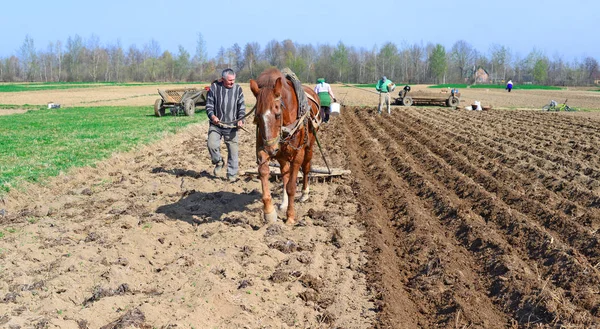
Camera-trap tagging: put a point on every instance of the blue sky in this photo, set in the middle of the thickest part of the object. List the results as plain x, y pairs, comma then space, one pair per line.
556, 28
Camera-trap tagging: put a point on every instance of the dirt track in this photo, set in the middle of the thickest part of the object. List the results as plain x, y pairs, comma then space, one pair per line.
451, 219
351, 96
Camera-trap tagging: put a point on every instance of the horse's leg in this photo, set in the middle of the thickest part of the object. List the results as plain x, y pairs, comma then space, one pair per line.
263, 172
285, 177
291, 191
308, 153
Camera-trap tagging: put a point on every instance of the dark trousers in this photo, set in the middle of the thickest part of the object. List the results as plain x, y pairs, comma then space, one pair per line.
325, 112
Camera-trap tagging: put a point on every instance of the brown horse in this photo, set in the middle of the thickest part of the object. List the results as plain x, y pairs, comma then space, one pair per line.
284, 136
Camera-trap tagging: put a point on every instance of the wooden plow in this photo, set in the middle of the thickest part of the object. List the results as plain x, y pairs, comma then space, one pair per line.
316, 174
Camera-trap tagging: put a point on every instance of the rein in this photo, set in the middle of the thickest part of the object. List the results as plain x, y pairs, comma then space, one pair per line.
242, 118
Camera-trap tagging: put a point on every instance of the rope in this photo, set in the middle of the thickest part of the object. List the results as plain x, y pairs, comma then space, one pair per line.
242, 118
370, 91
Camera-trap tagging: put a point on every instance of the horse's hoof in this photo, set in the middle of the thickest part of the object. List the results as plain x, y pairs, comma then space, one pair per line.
271, 217
291, 222
304, 198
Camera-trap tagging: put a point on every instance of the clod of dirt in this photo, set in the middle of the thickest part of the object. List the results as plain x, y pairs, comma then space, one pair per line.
28, 287
42, 324
10, 297
235, 221
133, 318
100, 292
304, 258
320, 218
82, 324
285, 247
92, 236
309, 295
121, 261
273, 229
246, 252
287, 315
326, 317
344, 191
310, 281
336, 238
244, 283
207, 234
219, 271
280, 276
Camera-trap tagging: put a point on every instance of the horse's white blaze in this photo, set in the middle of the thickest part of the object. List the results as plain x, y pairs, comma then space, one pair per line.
265, 118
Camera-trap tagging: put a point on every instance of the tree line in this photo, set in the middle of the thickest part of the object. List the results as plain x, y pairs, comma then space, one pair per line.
87, 60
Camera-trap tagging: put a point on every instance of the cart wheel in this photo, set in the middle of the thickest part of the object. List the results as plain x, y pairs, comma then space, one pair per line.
189, 107
159, 110
407, 101
453, 101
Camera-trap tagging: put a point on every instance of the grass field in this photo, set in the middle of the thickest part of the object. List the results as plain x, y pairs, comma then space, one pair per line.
486, 86
20, 87
464, 85
42, 143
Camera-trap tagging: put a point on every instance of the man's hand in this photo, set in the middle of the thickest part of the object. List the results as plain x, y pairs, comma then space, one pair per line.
214, 119
240, 123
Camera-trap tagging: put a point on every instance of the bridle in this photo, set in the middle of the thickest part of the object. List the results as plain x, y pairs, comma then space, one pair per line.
287, 132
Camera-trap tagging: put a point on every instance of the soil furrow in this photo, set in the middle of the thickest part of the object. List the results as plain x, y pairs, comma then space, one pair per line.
428, 260
499, 214
469, 235
515, 156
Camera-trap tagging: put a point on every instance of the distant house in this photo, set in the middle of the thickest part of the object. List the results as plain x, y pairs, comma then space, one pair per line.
482, 76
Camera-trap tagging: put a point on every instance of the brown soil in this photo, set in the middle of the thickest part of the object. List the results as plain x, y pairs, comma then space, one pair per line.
451, 219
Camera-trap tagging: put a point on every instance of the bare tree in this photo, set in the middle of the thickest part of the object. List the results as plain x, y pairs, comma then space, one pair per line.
590, 65
29, 59
462, 57
251, 56
201, 56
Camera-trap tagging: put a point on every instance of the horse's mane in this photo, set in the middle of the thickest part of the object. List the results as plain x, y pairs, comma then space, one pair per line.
268, 77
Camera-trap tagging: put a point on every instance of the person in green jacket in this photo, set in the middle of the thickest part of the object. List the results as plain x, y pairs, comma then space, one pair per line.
323, 89
384, 86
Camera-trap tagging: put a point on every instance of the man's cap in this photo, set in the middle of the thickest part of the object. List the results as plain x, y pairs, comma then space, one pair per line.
383, 78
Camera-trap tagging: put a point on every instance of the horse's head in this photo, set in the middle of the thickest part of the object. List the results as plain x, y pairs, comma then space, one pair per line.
269, 116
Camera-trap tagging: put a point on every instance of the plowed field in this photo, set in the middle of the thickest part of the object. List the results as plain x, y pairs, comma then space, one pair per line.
486, 220
450, 219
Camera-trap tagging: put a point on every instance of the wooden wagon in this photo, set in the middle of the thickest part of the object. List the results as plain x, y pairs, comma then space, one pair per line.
182, 100
445, 97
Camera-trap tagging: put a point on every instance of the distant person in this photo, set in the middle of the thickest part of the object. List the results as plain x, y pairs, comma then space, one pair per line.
509, 85
384, 86
225, 104
323, 89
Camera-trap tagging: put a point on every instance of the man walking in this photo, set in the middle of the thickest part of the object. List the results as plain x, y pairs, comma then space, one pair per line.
224, 106
383, 87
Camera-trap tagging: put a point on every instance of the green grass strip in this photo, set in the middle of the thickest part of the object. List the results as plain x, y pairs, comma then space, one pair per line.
19, 107
523, 87
19, 87
42, 143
